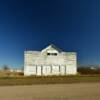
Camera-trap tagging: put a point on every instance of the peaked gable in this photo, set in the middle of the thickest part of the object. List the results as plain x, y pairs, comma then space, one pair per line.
51, 47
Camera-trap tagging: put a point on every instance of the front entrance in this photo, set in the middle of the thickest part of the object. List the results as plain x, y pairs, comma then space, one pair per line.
46, 70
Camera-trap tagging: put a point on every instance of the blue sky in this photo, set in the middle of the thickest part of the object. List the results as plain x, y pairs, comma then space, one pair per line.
72, 25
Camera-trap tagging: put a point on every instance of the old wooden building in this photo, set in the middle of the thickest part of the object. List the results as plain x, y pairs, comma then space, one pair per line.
50, 61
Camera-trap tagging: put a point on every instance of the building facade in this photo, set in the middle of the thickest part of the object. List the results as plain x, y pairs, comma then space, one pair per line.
50, 61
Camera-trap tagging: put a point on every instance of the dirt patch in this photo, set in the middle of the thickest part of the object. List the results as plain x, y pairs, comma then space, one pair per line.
79, 91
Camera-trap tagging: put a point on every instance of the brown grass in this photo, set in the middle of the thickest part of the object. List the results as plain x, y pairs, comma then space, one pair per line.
21, 80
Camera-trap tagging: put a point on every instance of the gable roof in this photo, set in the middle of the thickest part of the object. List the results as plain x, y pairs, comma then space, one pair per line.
51, 47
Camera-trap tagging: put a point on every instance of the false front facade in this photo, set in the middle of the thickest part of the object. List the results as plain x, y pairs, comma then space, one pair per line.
50, 61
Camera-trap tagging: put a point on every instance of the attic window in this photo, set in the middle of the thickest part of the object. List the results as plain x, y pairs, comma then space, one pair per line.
55, 54
48, 54
52, 54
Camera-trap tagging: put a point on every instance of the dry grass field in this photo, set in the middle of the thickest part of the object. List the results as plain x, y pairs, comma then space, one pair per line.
21, 80
77, 91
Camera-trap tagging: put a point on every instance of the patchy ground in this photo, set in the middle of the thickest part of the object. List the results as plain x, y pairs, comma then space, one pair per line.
76, 91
